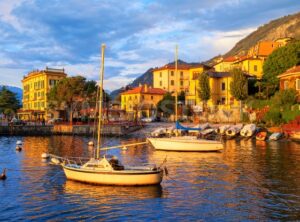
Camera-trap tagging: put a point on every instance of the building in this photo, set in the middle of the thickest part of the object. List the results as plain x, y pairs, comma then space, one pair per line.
225, 64
290, 80
264, 48
253, 66
191, 97
141, 101
166, 78
219, 83
36, 85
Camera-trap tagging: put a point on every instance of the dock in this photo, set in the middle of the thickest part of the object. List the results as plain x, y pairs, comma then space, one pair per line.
67, 129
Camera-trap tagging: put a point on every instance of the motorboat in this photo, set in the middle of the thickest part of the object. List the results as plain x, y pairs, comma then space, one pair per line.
234, 130
222, 129
295, 135
158, 132
248, 130
276, 136
261, 135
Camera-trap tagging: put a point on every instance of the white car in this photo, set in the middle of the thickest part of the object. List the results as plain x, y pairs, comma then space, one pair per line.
148, 119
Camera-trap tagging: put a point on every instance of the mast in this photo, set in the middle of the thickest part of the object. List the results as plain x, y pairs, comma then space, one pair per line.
176, 60
100, 101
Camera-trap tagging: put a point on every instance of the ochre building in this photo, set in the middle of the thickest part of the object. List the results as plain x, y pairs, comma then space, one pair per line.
36, 85
290, 80
141, 101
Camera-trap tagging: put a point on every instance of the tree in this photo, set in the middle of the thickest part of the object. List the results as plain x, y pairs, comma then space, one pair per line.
278, 62
8, 102
204, 88
239, 86
167, 105
68, 93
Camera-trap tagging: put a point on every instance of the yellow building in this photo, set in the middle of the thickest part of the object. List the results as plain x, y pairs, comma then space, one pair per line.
141, 101
219, 83
225, 65
253, 66
36, 85
166, 78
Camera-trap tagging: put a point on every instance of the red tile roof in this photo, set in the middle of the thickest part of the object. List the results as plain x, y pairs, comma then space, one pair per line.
230, 59
145, 90
293, 70
179, 66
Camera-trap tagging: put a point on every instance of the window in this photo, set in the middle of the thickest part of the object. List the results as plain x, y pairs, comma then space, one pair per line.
223, 86
160, 83
181, 74
286, 84
172, 73
143, 97
135, 97
172, 82
151, 97
129, 98
298, 84
255, 68
160, 74
223, 100
181, 83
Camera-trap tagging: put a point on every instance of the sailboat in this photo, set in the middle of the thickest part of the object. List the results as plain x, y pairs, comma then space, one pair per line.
184, 143
107, 170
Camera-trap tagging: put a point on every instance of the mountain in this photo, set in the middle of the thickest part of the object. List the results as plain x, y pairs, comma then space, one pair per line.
146, 78
18, 91
287, 26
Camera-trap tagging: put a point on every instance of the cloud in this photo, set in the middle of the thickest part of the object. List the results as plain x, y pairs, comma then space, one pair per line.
138, 34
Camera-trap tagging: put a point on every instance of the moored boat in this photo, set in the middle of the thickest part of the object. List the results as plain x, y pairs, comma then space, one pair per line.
295, 135
109, 171
185, 144
222, 129
248, 130
262, 135
276, 136
233, 130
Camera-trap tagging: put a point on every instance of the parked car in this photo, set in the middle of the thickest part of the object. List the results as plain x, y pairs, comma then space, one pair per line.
17, 122
148, 119
55, 120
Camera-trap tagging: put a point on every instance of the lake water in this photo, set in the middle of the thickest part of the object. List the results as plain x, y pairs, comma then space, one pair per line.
249, 180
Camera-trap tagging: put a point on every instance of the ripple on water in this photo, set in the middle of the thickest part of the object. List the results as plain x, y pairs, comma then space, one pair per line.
247, 181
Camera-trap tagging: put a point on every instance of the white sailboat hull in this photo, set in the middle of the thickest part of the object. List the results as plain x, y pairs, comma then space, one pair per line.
182, 144
119, 178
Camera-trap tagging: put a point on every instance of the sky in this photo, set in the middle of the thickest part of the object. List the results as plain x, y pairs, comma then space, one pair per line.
139, 34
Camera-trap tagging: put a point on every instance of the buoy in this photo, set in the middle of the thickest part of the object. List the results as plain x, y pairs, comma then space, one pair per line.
91, 143
19, 142
3, 175
55, 160
45, 155
18, 148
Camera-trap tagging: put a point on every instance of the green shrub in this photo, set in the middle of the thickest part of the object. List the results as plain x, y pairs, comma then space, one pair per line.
273, 117
285, 98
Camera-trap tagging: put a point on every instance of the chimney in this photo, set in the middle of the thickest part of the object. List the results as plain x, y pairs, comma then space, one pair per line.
146, 87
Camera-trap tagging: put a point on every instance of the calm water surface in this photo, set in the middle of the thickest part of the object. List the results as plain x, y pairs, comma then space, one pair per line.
247, 181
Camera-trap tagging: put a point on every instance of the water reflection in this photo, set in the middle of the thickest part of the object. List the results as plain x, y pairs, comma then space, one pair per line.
109, 194
248, 180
